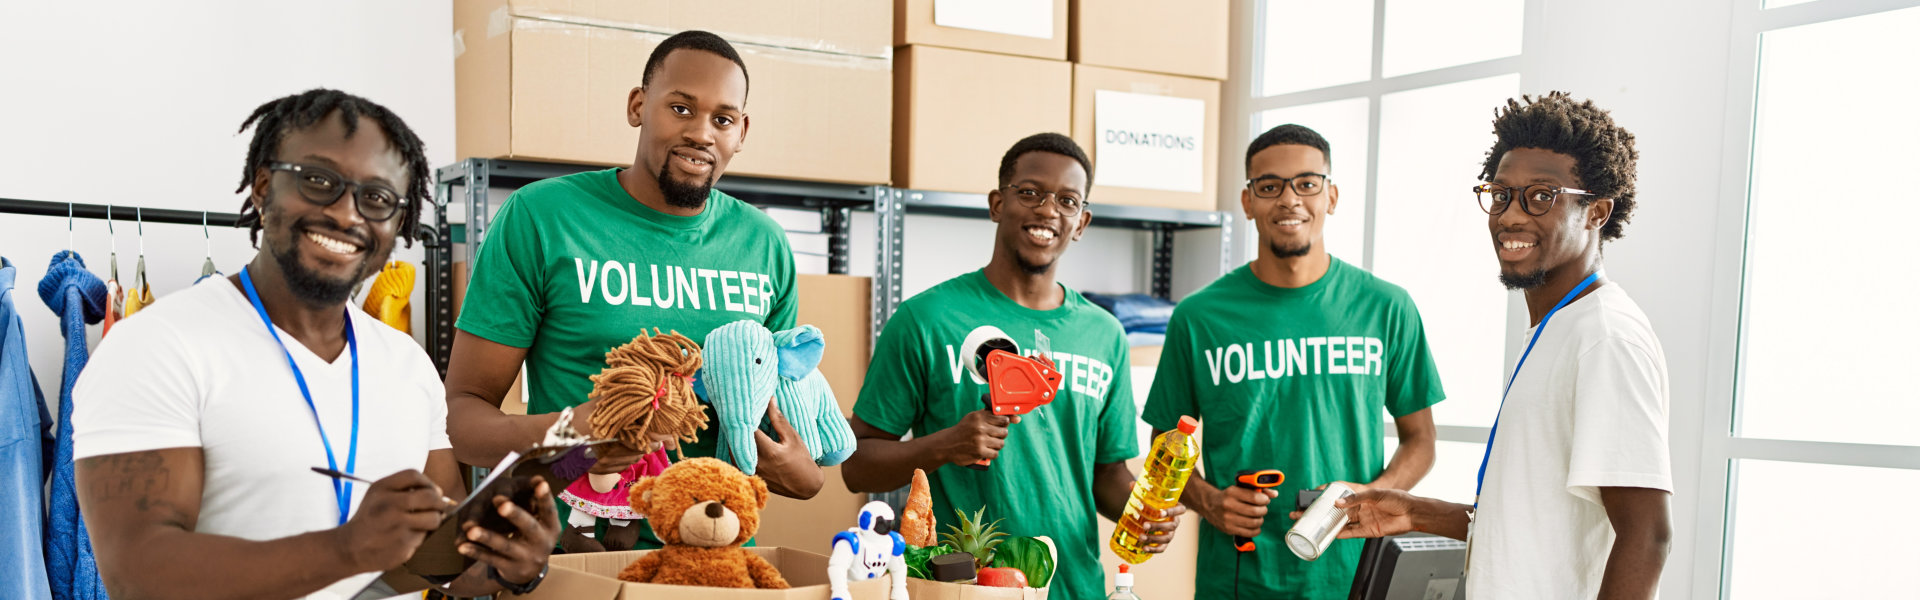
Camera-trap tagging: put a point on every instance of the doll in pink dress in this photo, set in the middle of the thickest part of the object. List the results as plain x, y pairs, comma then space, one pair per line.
646, 400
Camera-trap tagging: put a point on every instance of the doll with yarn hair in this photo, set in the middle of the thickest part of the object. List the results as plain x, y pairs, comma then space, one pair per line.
645, 395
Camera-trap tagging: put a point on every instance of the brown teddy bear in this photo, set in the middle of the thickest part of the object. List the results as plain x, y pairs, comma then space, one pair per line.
703, 509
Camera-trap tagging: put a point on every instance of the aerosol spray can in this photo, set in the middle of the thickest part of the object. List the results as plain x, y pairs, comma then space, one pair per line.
1317, 528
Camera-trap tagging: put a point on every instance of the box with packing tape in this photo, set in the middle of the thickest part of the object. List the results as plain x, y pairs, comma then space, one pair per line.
1177, 38
956, 112
592, 577
1154, 138
539, 83
1036, 28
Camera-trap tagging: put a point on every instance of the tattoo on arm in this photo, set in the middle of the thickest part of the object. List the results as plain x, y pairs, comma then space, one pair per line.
140, 476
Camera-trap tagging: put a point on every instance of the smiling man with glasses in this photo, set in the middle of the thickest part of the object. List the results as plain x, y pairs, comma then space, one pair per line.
1575, 479
196, 426
1053, 468
1288, 362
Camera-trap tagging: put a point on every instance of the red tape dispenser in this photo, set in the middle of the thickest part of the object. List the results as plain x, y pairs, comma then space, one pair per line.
1016, 384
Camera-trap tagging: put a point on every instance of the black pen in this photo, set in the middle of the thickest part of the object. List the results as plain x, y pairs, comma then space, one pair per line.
338, 475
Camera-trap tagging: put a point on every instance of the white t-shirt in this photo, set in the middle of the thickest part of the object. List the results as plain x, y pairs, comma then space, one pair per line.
198, 369
1588, 410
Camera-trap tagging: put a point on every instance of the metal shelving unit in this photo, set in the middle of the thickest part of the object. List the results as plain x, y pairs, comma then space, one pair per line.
1163, 222
834, 201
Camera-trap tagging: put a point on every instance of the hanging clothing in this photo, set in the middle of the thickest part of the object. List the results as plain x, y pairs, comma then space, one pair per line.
80, 299
139, 296
387, 299
116, 299
23, 425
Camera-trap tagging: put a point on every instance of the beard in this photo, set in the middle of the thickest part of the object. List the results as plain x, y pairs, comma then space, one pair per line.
680, 194
1029, 267
308, 285
1523, 281
1280, 251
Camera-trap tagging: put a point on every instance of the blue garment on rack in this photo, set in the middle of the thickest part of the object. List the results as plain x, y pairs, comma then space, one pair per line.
80, 298
23, 431
1136, 312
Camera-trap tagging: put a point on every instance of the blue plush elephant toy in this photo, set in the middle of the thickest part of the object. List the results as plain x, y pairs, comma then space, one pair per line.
746, 367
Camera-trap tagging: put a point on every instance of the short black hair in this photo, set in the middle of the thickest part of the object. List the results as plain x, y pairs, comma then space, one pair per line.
1602, 151
1044, 142
692, 39
271, 123
1289, 134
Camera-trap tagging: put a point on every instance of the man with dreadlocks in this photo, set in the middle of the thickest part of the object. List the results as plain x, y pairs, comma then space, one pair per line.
1576, 477
196, 426
575, 265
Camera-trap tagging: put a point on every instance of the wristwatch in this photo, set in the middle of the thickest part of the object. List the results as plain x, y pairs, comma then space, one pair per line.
517, 588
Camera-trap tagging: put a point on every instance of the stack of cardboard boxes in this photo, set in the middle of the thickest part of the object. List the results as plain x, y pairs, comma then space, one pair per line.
549, 79
1141, 93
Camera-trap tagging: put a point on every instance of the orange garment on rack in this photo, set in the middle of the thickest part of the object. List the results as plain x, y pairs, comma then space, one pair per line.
387, 300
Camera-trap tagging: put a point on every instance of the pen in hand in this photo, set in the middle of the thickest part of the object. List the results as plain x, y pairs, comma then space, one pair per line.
339, 475
350, 477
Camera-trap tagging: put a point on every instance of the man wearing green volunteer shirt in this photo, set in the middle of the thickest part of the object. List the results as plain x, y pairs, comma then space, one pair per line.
576, 265
1287, 362
1053, 467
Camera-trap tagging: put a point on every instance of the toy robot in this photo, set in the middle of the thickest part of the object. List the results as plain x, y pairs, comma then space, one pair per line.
867, 551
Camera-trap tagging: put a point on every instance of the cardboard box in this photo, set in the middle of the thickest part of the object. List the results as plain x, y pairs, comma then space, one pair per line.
591, 577
914, 24
956, 112
924, 589
1144, 356
539, 89
1176, 38
1087, 130
857, 27
841, 306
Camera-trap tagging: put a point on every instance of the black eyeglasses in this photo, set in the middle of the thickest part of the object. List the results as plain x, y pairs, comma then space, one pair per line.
374, 201
1032, 197
1272, 186
1536, 199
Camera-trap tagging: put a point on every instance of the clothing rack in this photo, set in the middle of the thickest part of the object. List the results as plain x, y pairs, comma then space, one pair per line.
438, 261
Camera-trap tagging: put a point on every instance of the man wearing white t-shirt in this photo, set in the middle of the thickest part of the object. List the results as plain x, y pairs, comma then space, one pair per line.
196, 427
1576, 480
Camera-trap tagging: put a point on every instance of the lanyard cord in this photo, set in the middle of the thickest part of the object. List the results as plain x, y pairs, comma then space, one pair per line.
1488, 453
342, 489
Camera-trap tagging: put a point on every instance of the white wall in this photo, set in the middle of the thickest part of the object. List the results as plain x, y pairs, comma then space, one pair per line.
136, 103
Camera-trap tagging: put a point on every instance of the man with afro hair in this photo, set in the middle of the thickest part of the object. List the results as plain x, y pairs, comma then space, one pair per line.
1575, 483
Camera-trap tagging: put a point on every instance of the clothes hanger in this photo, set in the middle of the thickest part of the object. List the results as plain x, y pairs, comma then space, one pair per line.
206, 268
113, 247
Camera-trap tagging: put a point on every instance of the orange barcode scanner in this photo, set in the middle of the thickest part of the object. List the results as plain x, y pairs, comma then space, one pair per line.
1255, 479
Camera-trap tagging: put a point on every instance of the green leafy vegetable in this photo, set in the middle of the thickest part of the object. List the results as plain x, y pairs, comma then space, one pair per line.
1028, 555
917, 558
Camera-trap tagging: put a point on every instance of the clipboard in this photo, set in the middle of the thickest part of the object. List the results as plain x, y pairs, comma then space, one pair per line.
437, 562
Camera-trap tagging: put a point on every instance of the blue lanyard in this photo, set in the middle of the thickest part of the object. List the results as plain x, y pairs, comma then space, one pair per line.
342, 489
1482, 478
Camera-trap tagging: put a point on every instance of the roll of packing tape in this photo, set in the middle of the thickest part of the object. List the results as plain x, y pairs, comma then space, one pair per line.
1316, 529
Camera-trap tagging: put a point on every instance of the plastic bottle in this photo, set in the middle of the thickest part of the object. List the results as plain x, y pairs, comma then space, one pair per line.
1122, 585
1168, 466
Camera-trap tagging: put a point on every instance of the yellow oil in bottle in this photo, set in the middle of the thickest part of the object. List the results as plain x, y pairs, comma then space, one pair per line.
1168, 466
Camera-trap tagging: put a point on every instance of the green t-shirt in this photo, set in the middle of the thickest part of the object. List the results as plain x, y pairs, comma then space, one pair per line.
573, 266
1042, 482
1291, 379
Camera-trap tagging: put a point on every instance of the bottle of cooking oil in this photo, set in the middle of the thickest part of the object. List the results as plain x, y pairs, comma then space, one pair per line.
1168, 465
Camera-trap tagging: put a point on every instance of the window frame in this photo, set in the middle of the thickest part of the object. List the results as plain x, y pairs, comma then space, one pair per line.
1721, 448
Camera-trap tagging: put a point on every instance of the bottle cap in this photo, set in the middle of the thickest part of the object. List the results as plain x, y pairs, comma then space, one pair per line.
1123, 578
1188, 424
